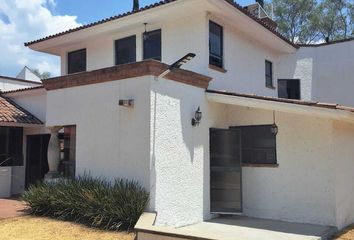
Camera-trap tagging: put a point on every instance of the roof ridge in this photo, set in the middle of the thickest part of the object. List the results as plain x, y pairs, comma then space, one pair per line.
157, 4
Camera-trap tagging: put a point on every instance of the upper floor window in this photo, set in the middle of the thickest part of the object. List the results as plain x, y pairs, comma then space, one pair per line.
11, 146
125, 50
77, 61
152, 45
215, 44
269, 74
289, 88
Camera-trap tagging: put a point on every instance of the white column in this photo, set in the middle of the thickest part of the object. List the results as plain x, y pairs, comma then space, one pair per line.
53, 153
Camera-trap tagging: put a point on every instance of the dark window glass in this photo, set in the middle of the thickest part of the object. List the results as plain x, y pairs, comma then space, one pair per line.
269, 73
11, 146
258, 145
125, 50
77, 61
152, 45
289, 88
215, 44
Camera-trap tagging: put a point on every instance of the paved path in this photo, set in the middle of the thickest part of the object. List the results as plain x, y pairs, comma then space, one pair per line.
10, 208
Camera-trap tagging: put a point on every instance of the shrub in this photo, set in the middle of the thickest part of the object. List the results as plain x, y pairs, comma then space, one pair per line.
91, 201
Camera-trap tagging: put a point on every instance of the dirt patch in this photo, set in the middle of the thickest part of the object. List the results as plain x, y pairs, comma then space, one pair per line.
28, 227
346, 234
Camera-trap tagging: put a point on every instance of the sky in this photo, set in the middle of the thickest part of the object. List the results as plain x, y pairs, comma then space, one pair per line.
26, 20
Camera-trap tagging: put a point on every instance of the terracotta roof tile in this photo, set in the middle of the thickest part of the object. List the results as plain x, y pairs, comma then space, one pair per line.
333, 106
10, 112
160, 3
23, 89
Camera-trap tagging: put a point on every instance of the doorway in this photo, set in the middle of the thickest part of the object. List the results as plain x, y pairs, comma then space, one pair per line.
225, 171
36, 158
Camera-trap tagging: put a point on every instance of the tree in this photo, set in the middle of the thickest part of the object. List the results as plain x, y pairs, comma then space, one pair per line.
333, 19
136, 5
43, 75
296, 19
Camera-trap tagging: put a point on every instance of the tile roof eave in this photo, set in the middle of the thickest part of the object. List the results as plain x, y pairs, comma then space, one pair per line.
332, 106
163, 2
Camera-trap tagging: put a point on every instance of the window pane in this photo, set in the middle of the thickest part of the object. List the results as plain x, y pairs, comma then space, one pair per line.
77, 61
152, 45
269, 73
215, 44
289, 89
11, 153
125, 50
258, 145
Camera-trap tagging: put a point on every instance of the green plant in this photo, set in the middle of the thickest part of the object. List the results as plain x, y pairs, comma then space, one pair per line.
91, 201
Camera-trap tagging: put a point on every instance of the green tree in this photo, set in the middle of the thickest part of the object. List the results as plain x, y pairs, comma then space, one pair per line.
136, 5
43, 75
296, 19
333, 19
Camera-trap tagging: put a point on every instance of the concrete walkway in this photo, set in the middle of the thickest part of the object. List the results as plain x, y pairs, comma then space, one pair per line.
10, 208
234, 228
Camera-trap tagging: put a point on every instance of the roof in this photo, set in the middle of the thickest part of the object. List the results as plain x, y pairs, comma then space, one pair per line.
327, 43
332, 106
20, 80
126, 71
23, 89
10, 112
160, 3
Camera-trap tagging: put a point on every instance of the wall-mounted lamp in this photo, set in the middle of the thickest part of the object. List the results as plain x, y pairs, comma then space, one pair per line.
197, 117
177, 64
274, 128
145, 34
126, 103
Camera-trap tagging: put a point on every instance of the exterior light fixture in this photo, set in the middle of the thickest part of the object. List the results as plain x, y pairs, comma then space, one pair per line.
274, 128
177, 64
183, 60
129, 103
145, 34
197, 117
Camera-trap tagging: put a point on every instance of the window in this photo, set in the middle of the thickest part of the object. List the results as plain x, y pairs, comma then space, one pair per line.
215, 45
152, 45
11, 146
258, 145
77, 61
269, 74
125, 50
289, 88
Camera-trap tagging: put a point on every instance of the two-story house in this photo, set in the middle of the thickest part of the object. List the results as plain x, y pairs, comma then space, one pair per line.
205, 135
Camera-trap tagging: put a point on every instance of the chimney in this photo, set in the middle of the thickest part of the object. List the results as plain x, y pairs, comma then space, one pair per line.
261, 2
136, 6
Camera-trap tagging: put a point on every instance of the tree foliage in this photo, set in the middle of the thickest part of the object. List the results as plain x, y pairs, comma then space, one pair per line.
310, 21
42, 75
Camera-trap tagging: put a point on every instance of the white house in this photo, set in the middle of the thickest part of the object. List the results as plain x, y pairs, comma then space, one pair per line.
25, 79
123, 109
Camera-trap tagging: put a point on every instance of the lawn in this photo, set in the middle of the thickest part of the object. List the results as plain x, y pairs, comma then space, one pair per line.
35, 228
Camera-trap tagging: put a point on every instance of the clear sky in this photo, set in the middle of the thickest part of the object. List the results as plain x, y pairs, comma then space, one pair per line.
92, 10
26, 20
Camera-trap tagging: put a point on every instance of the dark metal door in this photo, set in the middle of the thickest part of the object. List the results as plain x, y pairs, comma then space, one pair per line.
225, 171
36, 159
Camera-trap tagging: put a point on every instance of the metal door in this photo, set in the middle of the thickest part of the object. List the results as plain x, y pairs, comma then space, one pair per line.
225, 171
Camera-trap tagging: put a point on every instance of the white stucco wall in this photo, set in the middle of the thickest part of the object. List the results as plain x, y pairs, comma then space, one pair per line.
111, 141
343, 139
177, 153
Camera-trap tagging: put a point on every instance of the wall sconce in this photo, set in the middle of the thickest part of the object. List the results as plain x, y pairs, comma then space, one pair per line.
197, 117
126, 103
274, 128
